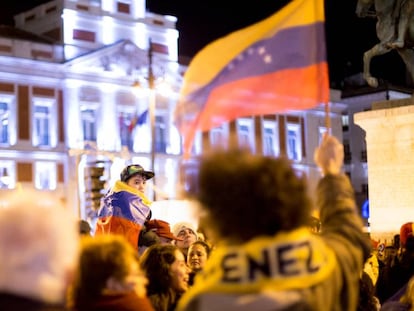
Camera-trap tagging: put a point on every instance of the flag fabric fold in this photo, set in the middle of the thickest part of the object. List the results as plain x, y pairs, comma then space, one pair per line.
138, 120
275, 65
124, 211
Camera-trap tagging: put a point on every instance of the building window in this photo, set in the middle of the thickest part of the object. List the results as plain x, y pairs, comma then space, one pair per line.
7, 175
160, 134
4, 126
88, 117
126, 128
219, 136
123, 7
160, 48
345, 122
245, 133
294, 142
270, 138
7, 120
174, 141
84, 35
44, 126
190, 179
45, 175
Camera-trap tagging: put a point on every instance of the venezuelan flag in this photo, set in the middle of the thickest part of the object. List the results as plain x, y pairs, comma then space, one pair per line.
275, 65
124, 211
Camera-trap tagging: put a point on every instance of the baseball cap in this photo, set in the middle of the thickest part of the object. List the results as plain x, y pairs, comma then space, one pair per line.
405, 231
135, 169
161, 228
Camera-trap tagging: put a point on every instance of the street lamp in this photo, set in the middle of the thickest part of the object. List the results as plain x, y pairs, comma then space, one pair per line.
156, 85
151, 110
151, 107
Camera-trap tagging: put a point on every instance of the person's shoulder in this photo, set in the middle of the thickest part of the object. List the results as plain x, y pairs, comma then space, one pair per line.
394, 306
16, 302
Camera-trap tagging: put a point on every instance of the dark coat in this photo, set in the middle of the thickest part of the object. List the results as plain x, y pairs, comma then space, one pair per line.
120, 302
9, 302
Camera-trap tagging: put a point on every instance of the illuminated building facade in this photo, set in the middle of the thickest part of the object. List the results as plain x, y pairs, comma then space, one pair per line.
68, 104
67, 99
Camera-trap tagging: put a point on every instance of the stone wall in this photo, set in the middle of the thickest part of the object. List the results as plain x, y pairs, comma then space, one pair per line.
389, 130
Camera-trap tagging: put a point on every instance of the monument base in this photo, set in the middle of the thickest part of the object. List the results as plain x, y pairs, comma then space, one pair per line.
389, 130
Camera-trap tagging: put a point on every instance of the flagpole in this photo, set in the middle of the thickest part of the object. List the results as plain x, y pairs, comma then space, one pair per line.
327, 118
151, 111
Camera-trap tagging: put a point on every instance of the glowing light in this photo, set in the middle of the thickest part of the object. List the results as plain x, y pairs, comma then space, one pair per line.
174, 211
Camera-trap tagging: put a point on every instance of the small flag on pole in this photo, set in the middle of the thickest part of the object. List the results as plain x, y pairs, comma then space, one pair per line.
138, 120
275, 65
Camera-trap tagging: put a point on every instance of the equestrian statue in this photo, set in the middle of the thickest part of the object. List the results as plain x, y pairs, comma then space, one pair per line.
395, 31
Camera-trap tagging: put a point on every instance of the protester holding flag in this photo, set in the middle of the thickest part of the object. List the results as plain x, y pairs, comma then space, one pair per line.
125, 207
266, 257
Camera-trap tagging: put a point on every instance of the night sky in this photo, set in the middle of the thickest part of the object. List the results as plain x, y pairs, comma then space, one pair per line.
201, 22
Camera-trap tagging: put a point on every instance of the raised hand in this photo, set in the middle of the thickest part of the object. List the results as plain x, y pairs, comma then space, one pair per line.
329, 156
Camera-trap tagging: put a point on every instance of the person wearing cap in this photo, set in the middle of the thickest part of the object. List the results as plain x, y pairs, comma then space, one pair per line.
136, 177
163, 230
125, 207
187, 234
161, 234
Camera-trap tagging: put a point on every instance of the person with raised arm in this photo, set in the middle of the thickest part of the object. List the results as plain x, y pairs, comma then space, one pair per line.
265, 256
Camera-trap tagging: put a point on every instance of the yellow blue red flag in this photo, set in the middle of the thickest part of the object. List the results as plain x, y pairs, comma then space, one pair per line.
124, 211
275, 65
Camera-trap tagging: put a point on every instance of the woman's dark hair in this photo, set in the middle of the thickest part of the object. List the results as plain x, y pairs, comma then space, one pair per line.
156, 261
203, 244
101, 257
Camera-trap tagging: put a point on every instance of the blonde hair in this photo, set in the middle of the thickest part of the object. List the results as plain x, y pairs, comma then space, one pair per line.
38, 249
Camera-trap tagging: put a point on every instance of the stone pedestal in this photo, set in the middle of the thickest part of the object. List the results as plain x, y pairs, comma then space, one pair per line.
389, 129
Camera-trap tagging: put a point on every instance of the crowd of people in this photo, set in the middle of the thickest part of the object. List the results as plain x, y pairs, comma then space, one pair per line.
261, 246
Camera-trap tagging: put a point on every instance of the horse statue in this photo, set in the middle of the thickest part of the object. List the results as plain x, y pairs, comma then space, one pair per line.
395, 30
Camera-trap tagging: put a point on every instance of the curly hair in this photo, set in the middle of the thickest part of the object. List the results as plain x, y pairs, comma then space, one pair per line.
156, 261
247, 195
